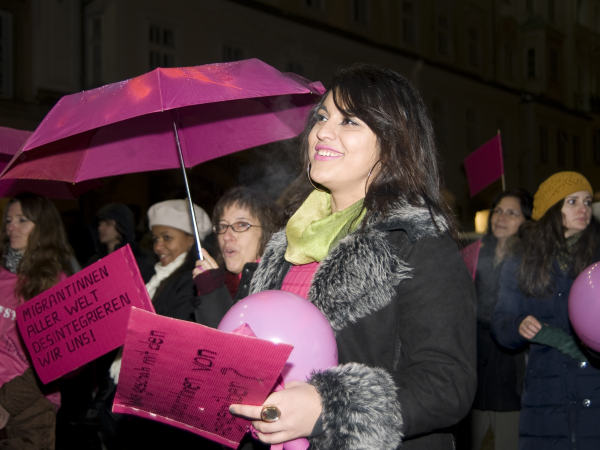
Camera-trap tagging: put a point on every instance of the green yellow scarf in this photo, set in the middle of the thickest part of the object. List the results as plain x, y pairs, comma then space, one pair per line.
313, 230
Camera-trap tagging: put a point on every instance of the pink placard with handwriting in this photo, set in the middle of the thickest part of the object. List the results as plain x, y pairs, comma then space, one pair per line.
84, 316
186, 375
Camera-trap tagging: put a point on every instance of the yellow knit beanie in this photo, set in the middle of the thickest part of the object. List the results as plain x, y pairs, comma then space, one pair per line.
555, 188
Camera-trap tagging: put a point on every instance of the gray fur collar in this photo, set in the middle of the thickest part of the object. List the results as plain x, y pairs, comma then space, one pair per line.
359, 275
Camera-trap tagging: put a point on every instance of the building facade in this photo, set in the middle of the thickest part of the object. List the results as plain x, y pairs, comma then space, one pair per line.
529, 68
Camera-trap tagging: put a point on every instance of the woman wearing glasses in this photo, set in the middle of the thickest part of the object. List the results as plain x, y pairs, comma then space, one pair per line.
244, 221
500, 372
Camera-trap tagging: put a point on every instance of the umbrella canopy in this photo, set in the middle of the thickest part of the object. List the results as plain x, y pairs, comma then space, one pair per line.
11, 140
128, 126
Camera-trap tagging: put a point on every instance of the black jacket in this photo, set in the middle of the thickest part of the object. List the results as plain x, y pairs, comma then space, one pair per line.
500, 371
402, 305
214, 299
125, 225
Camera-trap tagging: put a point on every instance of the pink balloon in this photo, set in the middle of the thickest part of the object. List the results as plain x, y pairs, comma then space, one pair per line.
584, 306
280, 316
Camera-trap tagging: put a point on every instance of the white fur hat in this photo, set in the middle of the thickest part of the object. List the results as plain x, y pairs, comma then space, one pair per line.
176, 214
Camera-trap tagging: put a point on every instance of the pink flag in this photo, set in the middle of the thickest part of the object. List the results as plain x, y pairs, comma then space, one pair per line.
84, 316
471, 255
484, 165
187, 375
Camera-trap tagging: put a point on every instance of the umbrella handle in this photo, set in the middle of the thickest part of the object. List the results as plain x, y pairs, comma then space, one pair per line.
187, 188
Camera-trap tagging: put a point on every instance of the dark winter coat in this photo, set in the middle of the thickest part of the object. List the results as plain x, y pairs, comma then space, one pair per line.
500, 372
402, 305
214, 299
125, 225
560, 407
173, 297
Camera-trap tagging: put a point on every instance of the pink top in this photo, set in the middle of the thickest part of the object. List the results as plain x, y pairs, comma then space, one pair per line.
299, 279
14, 358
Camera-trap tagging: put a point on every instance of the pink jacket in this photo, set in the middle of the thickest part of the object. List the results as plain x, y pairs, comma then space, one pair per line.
14, 357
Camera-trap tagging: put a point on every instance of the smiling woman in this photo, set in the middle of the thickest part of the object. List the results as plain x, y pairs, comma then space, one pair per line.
370, 243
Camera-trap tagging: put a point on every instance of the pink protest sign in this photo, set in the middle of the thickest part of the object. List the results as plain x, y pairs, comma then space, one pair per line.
84, 316
471, 255
186, 375
484, 165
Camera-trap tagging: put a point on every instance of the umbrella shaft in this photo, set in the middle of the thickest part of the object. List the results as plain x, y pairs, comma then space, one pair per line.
187, 188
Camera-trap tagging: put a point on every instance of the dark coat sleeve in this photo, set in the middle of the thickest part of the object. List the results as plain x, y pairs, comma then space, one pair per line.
437, 375
214, 300
174, 299
509, 311
430, 383
20, 393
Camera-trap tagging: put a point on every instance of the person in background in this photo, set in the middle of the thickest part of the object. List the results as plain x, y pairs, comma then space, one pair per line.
172, 290
561, 398
500, 372
244, 221
35, 256
113, 227
370, 243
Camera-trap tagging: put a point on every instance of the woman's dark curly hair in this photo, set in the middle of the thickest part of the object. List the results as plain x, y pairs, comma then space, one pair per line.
408, 158
541, 241
48, 253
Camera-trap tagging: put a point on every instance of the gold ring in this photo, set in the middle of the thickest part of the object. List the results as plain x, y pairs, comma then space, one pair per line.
270, 413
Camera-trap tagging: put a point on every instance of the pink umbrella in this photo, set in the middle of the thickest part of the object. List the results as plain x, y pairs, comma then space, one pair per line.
167, 118
11, 140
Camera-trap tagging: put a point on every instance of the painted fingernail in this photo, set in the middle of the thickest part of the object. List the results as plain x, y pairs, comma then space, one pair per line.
231, 409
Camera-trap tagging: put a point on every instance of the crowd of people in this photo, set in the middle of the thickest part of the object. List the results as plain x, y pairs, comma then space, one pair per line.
428, 359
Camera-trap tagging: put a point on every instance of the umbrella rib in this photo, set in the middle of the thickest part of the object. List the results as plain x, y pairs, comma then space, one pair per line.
162, 105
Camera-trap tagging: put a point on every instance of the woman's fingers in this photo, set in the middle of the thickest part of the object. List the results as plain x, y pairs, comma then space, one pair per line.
299, 405
249, 412
529, 327
208, 263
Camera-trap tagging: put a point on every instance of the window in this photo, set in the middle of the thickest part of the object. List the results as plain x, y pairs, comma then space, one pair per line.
561, 148
576, 153
552, 11
529, 7
95, 63
162, 47
360, 10
231, 53
315, 4
474, 49
294, 67
6, 55
437, 115
530, 63
471, 129
508, 61
443, 36
408, 23
554, 67
544, 152
597, 147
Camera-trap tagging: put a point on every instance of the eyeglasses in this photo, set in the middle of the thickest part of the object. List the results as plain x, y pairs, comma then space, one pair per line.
510, 213
238, 227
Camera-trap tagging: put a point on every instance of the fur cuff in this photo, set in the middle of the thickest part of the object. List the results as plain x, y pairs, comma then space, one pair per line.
360, 409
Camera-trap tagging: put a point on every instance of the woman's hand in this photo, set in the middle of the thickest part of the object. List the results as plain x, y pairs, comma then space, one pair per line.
300, 406
207, 263
529, 327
